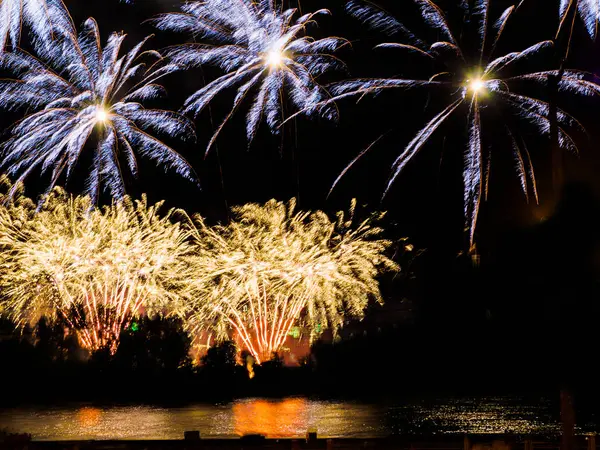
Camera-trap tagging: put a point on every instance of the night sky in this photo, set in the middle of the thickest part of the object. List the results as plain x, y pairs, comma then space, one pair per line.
539, 264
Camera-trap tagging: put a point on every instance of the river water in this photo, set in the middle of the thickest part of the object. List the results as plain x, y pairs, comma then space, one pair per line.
290, 417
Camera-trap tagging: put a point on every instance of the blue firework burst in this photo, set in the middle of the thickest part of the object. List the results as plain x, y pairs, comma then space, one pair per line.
263, 51
471, 84
80, 95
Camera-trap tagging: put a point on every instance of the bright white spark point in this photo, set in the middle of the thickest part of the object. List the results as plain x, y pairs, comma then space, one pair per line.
101, 114
274, 58
477, 85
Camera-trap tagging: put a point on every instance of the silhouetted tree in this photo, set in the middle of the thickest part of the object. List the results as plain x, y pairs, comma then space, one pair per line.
222, 356
54, 343
156, 345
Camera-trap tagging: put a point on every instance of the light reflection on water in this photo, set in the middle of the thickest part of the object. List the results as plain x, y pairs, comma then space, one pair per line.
275, 419
88, 417
290, 417
478, 416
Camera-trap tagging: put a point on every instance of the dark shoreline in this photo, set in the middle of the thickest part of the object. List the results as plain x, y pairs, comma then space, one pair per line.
106, 389
409, 442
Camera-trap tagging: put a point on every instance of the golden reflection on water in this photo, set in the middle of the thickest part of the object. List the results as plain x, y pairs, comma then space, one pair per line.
290, 417
274, 419
88, 417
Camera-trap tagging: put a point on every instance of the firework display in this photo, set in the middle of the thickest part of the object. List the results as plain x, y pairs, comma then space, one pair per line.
264, 52
94, 269
91, 94
81, 105
477, 85
273, 267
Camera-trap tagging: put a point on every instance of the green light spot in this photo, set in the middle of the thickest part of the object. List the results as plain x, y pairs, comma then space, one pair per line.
295, 332
134, 326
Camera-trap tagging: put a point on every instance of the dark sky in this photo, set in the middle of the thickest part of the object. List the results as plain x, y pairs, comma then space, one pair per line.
533, 258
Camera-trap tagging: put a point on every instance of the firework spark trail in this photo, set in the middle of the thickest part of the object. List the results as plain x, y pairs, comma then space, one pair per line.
470, 84
587, 10
94, 268
80, 92
44, 18
261, 49
273, 267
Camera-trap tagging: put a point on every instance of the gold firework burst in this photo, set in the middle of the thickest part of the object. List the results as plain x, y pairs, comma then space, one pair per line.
273, 267
96, 269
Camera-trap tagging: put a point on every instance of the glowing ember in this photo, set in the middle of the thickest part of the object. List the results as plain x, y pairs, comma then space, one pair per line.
101, 115
477, 85
274, 59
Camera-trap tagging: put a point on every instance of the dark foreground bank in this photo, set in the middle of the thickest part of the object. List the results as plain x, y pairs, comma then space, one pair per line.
192, 441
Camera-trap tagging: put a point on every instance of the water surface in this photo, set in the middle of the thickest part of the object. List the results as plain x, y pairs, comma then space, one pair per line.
290, 417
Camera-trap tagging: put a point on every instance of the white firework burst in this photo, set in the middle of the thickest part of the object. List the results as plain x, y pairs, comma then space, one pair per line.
263, 51
80, 95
